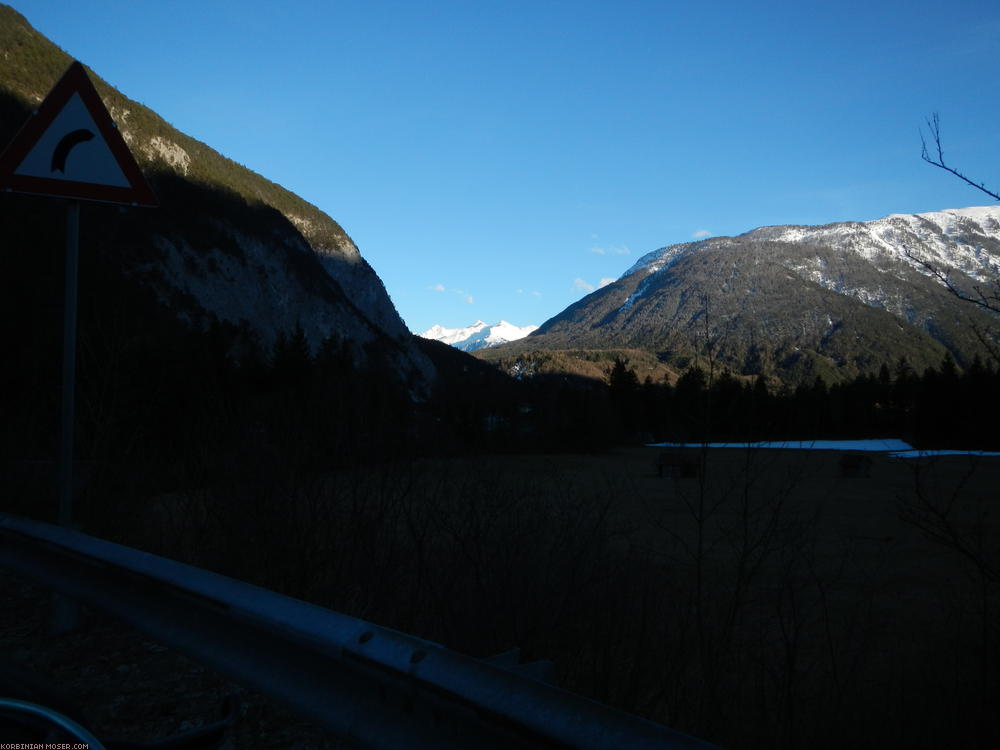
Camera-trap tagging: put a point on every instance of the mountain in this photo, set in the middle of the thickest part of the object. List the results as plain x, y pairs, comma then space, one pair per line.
479, 335
796, 302
226, 244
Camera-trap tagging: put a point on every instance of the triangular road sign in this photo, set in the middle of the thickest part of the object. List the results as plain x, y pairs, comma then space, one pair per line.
71, 148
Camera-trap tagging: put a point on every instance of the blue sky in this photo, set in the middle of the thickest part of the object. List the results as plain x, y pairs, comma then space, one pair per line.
499, 160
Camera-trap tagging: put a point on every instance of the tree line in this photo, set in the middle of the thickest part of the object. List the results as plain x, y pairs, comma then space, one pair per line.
943, 407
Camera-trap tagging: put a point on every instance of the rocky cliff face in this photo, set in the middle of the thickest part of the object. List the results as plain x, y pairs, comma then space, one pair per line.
796, 302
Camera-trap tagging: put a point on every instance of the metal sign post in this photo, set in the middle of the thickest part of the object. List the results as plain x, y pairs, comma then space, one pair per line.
66, 424
71, 148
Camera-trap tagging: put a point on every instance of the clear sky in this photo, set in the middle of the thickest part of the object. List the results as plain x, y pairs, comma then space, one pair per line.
500, 159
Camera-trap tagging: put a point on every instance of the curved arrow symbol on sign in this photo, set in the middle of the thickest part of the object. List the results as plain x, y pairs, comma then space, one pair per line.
65, 146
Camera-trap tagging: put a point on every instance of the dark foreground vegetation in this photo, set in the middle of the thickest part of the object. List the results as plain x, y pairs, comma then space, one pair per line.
758, 601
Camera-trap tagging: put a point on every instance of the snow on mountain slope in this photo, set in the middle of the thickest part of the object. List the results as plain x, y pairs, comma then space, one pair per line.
963, 240
479, 335
799, 302
453, 336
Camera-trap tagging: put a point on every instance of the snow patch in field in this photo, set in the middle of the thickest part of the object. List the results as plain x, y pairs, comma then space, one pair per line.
885, 445
930, 454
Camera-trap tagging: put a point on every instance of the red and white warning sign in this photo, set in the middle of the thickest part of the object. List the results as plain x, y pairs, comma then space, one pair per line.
70, 148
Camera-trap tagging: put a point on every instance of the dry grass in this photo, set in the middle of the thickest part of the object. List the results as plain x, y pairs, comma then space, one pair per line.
768, 602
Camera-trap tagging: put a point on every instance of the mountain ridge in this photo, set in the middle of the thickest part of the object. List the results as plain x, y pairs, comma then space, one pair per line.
947, 222
799, 302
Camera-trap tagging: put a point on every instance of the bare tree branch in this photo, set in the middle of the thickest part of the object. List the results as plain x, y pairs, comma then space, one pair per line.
988, 300
937, 160
985, 298
936, 515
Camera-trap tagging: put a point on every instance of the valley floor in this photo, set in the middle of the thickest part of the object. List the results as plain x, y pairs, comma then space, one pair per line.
755, 598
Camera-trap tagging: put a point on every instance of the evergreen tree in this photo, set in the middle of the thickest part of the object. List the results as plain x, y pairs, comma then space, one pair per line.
623, 388
291, 359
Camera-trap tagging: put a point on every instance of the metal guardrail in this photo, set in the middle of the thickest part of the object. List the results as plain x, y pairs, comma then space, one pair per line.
51, 717
376, 686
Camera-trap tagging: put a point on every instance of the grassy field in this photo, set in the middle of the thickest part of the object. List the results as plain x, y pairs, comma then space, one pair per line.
772, 601
760, 599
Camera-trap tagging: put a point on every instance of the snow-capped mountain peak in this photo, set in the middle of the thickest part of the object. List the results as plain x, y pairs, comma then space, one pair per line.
453, 336
479, 335
952, 239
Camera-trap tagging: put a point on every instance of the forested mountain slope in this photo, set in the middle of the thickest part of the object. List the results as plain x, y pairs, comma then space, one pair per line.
226, 244
797, 302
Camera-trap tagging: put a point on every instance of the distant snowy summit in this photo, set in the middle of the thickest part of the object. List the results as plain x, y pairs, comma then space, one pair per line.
479, 335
